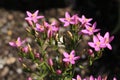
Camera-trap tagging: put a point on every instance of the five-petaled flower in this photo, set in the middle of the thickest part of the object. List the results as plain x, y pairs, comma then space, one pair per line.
75, 19
33, 17
106, 40
67, 20
90, 30
51, 29
85, 21
17, 43
96, 44
70, 57
39, 28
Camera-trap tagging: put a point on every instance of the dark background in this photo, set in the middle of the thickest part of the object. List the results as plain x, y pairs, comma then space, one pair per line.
105, 12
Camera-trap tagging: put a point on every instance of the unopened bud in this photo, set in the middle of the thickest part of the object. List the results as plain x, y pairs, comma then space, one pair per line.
29, 78
58, 71
90, 52
37, 55
50, 62
25, 49
20, 59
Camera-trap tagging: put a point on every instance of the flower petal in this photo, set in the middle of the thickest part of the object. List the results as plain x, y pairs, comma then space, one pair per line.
66, 24
73, 79
109, 46
91, 78
67, 15
78, 77
111, 38
72, 62
95, 39
76, 58
72, 52
40, 17
66, 60
85, 31
29, 14
91, 44
66, 54
62, 19
97, 48
100, 37
12, 44
96, 30
36, 13
106, 35
94, 25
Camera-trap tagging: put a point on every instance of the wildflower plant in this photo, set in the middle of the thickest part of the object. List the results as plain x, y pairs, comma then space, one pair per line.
60, 53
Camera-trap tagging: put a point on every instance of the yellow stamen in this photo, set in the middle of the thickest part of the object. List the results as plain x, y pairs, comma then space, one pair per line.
90, 29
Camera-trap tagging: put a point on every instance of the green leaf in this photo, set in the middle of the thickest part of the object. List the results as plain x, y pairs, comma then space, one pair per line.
32, 55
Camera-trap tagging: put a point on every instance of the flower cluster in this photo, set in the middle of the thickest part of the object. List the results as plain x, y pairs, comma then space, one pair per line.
58, 53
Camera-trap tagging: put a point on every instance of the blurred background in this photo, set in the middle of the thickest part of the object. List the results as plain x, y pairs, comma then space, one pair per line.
12, 13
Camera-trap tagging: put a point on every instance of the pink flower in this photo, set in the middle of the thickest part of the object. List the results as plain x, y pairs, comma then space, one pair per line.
114, 78
20, 59
25, 49
29, 78
106, 40
52, 29
67, 20
91, 53
77, 78
33, 17
70, 57
39, 27
91, 78
75, 19
58, 71
99, 78
50, 62
37, 55
90, 30
17, 43
96, 44
84, 21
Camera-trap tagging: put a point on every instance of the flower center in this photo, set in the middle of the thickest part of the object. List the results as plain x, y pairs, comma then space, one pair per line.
33, 15
106, 40
71, 57
78, 79
98, 43
18, 43
90, 29
68, 19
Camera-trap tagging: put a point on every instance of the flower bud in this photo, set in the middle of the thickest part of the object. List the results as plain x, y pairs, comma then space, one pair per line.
50, 62
90, 52
25, 49
114, 78
37, 55
29, 78
20, 59
58, 71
